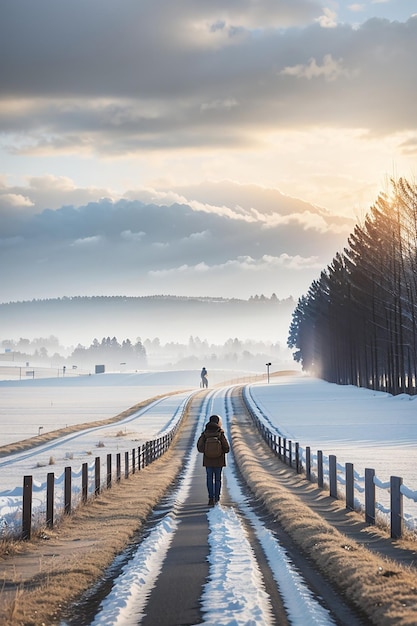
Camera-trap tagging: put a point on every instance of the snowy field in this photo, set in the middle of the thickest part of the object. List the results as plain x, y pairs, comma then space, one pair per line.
50, 403
370, 429
367, 428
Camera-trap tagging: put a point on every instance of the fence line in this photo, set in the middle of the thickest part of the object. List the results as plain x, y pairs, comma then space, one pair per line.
21, 372
337, 474
92, 484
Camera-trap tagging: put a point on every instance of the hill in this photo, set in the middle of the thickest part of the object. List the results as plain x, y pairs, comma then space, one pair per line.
170, 318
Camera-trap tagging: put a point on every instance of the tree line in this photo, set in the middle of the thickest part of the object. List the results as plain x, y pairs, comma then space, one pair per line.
111, 352
140, 354
357, 324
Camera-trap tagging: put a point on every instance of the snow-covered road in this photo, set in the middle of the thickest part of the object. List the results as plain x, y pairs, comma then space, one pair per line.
235, 592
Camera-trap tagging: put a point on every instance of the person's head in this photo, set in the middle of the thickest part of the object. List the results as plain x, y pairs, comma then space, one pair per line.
215, 419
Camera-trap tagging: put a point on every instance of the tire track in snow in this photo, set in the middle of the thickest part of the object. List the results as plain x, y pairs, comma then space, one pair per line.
225, 600
126, 603
235, 593
300, 603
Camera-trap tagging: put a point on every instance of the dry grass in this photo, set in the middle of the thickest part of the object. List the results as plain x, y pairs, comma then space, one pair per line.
385, 591
38, 579
27, 444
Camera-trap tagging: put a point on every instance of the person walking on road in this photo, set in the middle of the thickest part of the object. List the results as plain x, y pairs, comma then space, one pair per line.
214, 446
204, 378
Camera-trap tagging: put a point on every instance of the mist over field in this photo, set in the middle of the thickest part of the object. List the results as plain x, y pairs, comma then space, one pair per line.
73, 335
171, 319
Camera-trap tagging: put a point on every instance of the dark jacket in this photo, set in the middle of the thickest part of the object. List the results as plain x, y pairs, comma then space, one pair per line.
210, 430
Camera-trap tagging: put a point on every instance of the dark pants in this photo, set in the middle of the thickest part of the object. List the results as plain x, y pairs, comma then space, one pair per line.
214, 482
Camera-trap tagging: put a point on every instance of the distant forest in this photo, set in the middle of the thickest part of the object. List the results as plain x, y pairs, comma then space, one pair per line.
129, 318
83, 300
357, 324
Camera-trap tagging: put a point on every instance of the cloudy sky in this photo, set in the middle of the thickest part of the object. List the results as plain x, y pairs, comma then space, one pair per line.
220, 148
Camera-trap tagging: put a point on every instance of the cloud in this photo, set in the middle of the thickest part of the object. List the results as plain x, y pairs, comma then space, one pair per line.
135, 101
196, 238
52, 192
86, 241
328, 19
329, 69
356, 7
200, 75
219, 104
135, 237
410, 145
244, 264
14, 200
127, 245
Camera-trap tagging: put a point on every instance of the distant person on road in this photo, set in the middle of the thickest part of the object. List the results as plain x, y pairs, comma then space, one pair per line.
214, 446
204, 378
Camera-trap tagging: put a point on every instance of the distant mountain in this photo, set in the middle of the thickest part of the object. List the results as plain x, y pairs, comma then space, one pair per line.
170, 318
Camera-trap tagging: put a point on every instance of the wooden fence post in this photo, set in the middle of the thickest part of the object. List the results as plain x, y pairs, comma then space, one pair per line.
27, 507
126, 464
118, 467
308, 463
350, 486
369, 496
396, 507
332, 476
297, 458
285, 449
109, 472
133, 460
320, 480
84, 482
290, 453
97, 475
67, 490
280, 447
50, 488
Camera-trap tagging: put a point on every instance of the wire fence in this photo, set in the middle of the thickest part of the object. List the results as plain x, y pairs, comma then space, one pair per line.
27, 372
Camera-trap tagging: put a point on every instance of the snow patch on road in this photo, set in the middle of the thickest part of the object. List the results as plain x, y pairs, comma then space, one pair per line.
300, 603
125, 604
230, 598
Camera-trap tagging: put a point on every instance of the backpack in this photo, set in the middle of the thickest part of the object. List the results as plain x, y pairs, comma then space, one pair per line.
213, 447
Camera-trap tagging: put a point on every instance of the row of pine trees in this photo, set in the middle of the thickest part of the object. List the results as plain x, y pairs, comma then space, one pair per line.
357, 324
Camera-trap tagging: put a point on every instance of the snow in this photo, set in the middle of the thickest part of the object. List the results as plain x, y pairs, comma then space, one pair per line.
52, 403
74, 449
126, 602
225, 601
298, 599
367, 428
229, 598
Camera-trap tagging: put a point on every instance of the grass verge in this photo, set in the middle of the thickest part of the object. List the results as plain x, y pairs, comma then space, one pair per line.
40, 578
380, 588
